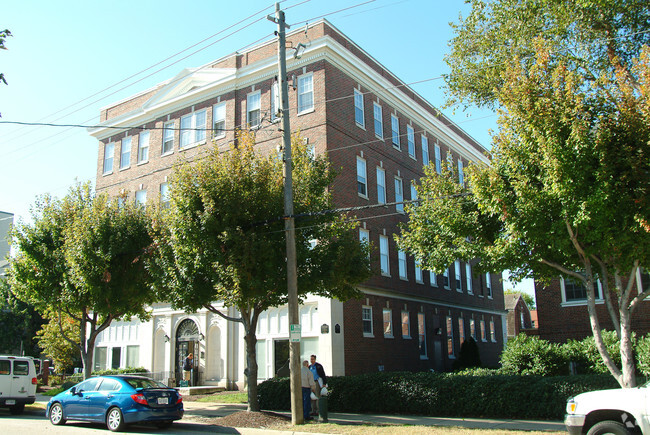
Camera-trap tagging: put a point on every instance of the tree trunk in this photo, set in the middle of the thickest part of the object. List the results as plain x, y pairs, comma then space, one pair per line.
251, 369
628, 366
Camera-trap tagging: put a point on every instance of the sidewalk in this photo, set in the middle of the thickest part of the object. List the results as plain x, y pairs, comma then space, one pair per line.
206, 409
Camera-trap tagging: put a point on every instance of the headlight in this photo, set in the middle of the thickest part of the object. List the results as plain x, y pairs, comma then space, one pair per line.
571, 405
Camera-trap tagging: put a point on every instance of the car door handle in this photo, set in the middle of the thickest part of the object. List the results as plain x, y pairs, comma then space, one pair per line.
109, 396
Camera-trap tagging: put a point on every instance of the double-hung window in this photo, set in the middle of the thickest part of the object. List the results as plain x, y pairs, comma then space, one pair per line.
125, 153
468, 278
366, 320
461, 330
383, 255
364, 236
141, 197
472, 328
219, 120
414, 194
362, 178
418, 271
394, 129
168, 138
143, 147
410, 139
483, 333
253, 109
399, 195
305, 93
193, 128
438, 159
401, 256
459, 282
109, 152
425, 150
381, 185
450, 337
461, 173
488, 284
275, 101
358, 109
493, 335
388, 322
422, 336
164, 195
378, 120
433, 278
445, 279
406, 325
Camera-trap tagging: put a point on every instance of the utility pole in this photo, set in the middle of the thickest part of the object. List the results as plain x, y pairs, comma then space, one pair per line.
289, 226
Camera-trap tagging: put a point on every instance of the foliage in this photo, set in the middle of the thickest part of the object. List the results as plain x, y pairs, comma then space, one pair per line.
529, 355
567, 189
528, 298
445, 395
223, 237
469, 356
585, 354
643, 355
19, 322
3, 36
84, 256
121, 371
64, 355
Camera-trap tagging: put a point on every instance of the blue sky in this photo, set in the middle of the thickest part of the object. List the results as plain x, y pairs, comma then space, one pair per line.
67, 60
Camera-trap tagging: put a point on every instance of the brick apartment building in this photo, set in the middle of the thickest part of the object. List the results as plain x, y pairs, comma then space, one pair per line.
562, 310
380, 133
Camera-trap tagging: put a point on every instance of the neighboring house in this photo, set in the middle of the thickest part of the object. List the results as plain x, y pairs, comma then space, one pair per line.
518, 318
6, 220
381, 134
562, 310
534, 323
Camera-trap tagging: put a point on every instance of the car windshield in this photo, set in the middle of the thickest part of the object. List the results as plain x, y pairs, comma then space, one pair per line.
144, 383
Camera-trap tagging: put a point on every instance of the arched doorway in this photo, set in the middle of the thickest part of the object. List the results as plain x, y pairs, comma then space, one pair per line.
187, 341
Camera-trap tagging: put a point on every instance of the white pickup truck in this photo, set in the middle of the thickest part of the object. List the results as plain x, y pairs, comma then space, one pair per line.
621, 411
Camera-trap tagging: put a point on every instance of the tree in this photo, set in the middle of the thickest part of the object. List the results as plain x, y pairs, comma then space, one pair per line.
528, 299
3, 36
63, 353
84, 257
225, 242
19, 322
567, 190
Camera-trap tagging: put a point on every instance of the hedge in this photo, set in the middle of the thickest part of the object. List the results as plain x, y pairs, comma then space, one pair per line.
445, 394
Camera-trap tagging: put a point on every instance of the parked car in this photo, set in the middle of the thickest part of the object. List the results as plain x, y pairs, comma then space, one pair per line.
619, 411
117, 400
17, 382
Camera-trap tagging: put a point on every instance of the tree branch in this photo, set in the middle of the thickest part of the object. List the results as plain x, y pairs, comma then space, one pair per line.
212, 309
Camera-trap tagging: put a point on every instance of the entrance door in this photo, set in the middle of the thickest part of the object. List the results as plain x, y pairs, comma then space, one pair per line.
282, 369
187, 341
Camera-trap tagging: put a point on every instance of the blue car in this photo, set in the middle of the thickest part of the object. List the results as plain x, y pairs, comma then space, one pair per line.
117, 401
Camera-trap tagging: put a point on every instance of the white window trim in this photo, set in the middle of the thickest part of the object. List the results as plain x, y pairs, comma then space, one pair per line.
381, 171
193, 132
438, 159
424, 334
446, 274
433, 279
483, 331
565, 303
147, 134
370, 334
458, 277
449, 326
385, 255
410, 139
276, 102
128, 164
426, 157
365, 176
488, 284
399, 201
419, 275
390, 334
112, 158
468, 279
493, 334
402, 265
169, 125
378, 134
408, 323
461, 172
364, 235
362, 124
248, 112
395, 135
313, 102
214, 112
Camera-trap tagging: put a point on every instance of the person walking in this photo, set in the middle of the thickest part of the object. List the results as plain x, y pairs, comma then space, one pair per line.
188, 365
320, 379
308, 385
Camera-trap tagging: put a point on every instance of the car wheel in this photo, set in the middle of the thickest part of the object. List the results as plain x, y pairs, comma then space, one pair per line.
56, 414
115, 420
164, 424
608, 427
17, 409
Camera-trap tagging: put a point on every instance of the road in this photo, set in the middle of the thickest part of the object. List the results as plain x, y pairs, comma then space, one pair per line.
33, 422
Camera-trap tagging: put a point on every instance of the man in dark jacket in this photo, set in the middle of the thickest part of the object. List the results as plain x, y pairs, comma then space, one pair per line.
321, 381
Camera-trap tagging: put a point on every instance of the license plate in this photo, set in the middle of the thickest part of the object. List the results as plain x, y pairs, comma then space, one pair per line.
10, 402
163, 401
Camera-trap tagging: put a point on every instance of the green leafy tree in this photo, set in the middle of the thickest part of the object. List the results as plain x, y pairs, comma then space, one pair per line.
3, 36
63, 353
528, 299
84, 257
567, 190
19, 322
222, 239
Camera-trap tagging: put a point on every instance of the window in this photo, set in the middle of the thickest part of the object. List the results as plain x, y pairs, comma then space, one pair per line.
364, 237
468, 278
461, 330
21, 368
168, 138
414, 193
450, 337
425, 150
111, 384
399, 195
433, 278
459, 286
305, 93
219, 120
573, 290
388, 322
141, 197
253, 109
125, 153
381, 185
472, 328
445, 278
422, 336
401, 256
109, 150
483, 336
379, 123
643, 279
488, 284
362, 184
493, 335
193, 128
358, 109
461, 173
418, 272
394, 128
116, 358
275, 101
383, 255
410, 139
5, 367
366, 320
143, 147
133, 356
164, 195
406, 325
521, 320
438, 159
100, 358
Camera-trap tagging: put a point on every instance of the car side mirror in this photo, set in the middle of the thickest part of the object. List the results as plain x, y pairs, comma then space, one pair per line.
73, 390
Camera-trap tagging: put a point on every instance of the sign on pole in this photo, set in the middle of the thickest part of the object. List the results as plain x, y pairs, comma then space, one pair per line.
294, 333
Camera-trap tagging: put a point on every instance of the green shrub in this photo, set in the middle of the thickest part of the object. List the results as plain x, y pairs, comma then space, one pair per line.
585, 354
124, 371
643, 355
469, 356
54, 380
446, 394
526, 355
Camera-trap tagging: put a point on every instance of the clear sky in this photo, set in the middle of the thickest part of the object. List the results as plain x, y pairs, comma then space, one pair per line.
67, 60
